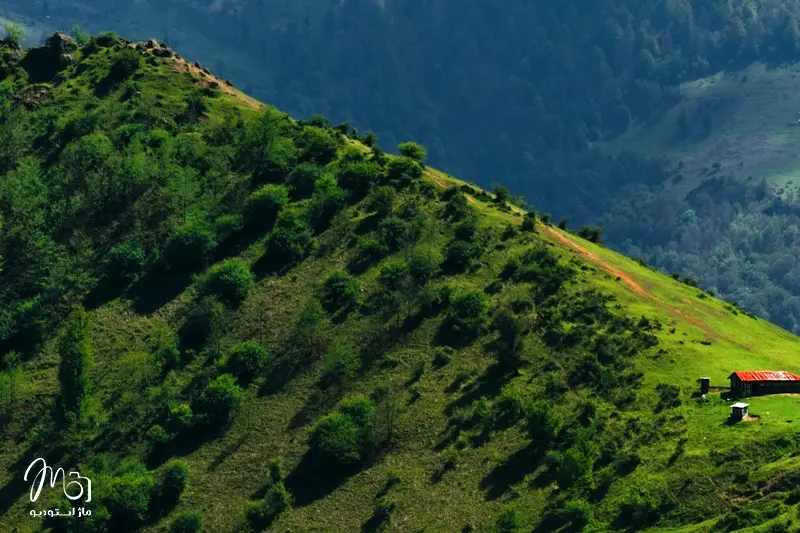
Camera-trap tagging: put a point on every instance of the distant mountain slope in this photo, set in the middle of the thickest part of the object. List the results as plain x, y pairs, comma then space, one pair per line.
415, 353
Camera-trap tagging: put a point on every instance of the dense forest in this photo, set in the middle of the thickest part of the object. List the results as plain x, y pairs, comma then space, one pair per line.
520, 93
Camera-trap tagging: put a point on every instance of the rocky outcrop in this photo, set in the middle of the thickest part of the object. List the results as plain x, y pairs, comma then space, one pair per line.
10, 54
45, 62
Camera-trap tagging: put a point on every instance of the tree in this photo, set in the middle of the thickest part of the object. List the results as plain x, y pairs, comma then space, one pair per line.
501, 194
80, 36
219, 398
413, 150
14, 32
291, 239
190, 521
266, 203
230, 281
189, 246
247, 360
468, 315
341, 440
75, 351
340, 291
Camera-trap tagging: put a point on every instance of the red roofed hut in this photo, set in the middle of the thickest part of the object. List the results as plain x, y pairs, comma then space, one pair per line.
752, 383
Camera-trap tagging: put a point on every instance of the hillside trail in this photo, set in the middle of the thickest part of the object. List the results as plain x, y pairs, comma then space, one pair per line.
635, 287
623, 276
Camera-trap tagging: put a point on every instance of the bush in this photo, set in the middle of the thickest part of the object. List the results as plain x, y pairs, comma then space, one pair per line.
392, 233
302, 179
369, 248
592, 233
317, 145
125, 65
669, 396
340, 291
529, 222
219, 399
457, 207
262, 513
163, 346
187, 522
227, 225
468, 315
204, 322
157, 435
403, 170
230, 280
576, 512
326, 203
128, 497
189, 245
382, 200
501, 194
423, 267
14, 32
509, 521
359, 176
291, 239
413, 151
247, 360
341, 364
459, 256
342, 439
125, 261
266, 203
174, 479
180, 417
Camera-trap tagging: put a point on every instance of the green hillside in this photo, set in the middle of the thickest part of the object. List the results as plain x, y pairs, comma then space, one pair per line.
219, 313
746, 119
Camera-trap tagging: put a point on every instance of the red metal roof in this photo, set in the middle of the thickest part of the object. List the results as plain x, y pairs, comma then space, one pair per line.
766, 375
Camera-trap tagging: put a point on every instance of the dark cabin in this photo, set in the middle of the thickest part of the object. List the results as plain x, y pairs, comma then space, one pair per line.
753, 383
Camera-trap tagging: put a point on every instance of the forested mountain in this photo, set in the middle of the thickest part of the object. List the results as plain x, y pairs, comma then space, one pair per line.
528, 94
231, 321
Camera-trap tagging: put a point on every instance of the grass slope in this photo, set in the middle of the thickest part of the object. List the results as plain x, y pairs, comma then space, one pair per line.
691, 467
753, 112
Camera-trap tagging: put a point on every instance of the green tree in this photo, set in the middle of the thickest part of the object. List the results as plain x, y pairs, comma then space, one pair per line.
230, 281
75, 351
189, 521
413, 151
340, 291
219, 399
14, 32
247, 360
80, 36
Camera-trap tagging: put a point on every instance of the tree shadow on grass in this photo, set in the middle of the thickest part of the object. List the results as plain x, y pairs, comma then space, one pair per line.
319, 402
308, 482
512, 471
102, 293
488, 385
157, 288
17, 486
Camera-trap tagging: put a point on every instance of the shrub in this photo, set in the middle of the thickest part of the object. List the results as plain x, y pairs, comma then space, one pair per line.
219, 399
341, 363
317, 145
413, 151
174, 479
204, 322
359, 176
125, 261
459, 256
227, 225
14, 32
591, 233
403, 170
265, 203
340, 291
468, 314
529, 222
509, 521
190, 521
501, 194
125, 65
369, 248
128, 497
392, 233
543, 423
382, 200
393, 275
291, 239
157, 435
383, 509
163, 346
510, 328
576, 512
262, 513
342, 439
423, 267
457, 207
467, 230
180, 417
668, 396
230, 280
327, 201
302, 179
189, 245
247, 360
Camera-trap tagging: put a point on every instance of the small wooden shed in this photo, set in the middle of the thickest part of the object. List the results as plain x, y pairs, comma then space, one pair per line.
739, 410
